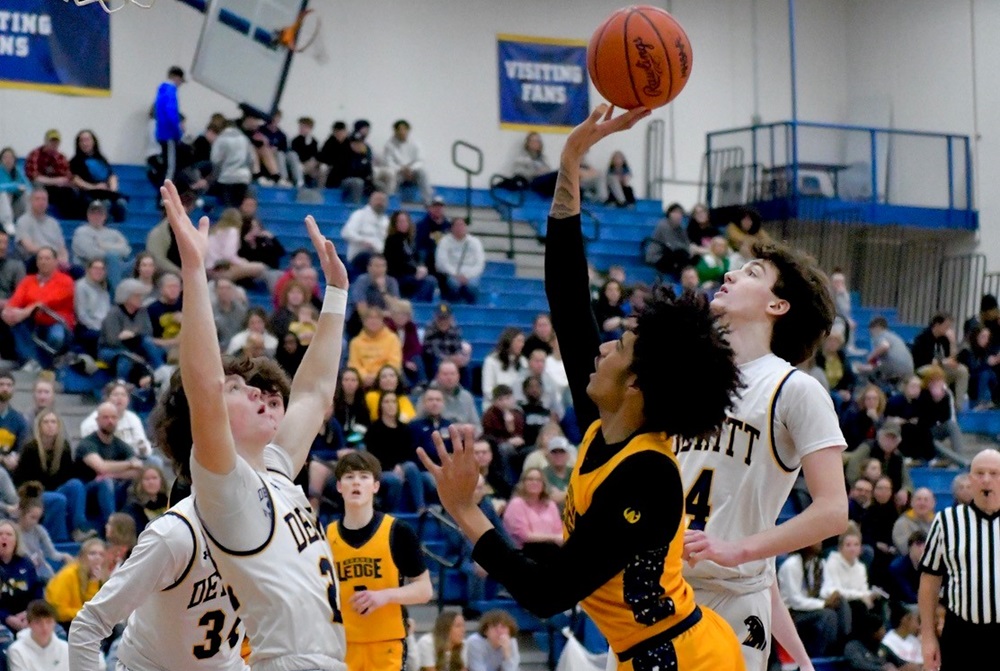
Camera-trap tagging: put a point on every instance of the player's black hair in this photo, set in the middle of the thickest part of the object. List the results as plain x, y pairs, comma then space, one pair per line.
683, 365
798, 333
358, 460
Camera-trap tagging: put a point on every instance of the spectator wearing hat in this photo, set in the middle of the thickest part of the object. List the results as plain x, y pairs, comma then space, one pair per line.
885, 448
404, 162
36, 229
430, 230
169, 130
40, 312
365, 232
94, 240
461, 260
48, 167
560, 456
126, 341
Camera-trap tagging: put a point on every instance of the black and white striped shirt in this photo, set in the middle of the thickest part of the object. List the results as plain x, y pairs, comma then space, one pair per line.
963, 545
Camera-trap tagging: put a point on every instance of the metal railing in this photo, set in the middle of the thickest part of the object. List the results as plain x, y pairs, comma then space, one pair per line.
469, 170
505, 201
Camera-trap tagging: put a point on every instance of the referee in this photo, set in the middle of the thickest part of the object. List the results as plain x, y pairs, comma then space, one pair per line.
963, 553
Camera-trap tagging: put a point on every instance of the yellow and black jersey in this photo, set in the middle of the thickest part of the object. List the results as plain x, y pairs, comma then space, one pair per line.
380, 555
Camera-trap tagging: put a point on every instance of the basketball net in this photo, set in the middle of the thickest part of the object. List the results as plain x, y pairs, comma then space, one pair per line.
302, 37
111, 6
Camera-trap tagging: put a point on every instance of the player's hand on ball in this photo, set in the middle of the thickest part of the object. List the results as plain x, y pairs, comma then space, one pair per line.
458, 473
598, 125
366, 603
192, 242
699, 546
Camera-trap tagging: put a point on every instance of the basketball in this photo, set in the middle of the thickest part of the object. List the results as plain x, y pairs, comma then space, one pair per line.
639, 56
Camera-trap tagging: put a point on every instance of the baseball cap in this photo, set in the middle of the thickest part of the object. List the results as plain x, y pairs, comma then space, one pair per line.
437, 200
97, 206
892, 426
558, 443
52, 134
443, 310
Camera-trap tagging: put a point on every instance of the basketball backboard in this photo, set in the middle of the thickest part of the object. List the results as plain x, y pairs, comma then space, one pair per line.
239, 53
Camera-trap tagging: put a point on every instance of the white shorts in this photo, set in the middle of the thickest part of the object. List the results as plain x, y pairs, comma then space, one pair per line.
750, 617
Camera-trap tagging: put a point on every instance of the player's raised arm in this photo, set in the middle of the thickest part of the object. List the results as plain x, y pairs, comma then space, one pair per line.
567, 285
200, 357
315, 382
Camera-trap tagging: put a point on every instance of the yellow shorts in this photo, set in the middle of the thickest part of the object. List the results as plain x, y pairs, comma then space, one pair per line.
710, 645
378, 656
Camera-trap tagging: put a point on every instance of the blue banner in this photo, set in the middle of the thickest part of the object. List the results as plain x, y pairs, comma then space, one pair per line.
53, 45
543, 83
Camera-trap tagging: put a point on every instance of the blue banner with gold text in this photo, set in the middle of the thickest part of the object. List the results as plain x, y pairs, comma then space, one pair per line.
543, 83
53, 45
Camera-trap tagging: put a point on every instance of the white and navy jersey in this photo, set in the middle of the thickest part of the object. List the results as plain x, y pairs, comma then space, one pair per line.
179, 612
273, 554
737, 482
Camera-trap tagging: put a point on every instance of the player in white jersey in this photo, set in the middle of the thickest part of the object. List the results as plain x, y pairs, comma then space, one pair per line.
180, 614
777, 308
263, 534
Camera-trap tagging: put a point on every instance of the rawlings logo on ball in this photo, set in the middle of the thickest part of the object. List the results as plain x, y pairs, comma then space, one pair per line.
682, 56
651, 65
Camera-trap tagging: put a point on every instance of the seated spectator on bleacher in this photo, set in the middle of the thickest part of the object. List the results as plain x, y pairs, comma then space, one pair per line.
506, 364
460, 260
388, 381
94, 176
700, 230
844, 573
120, 534
935, 417
12, 271
981, 358
257, 244
551, 394
531, 168
494, 646
294, 296
300, 263
265, 161
160, 243
492, 477
276, 143
689, 280
431, 419
886, 448
904, 572
889, 362
35, 229
21, 583
542, 335
145, 271
917, 518
106, 463
43, 396
335, 154
14, 429
430, 230
459, 405
305, 166
36, 539
222, 258
48, 167
859, 498
230, 311
360, 176
403, 259
618, 179
746, 231
961, 489
443, 342
373, 288
864, 652
443, 648
375, 346
77, 583
876, 527
667, 248
391, 442
232, 166
400, 320
843, 322
503, 426
165, 314
713, 266
532, 518
349, 407
536, 414
38, 647
558, 468
365, 232
255, 322
148, 497
94, 240
903, 641
823, 623
126, 341
14, 186
41, 307
936, 346
863, 417
832, 360
404, 162
129, 428
988, 317
609, 310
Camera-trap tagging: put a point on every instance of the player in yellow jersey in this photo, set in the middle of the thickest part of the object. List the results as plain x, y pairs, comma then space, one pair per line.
672, 374
380, 566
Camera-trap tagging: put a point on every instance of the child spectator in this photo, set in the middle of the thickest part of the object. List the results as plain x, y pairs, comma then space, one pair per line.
222, 257
823, 622
903, 641
294, 295
861, 420
40, 649
148, 498
443, 648
619, 181
38, 545
713, 266
503, 425
350, 408
388, 380
494, 646
844, 573
76, 583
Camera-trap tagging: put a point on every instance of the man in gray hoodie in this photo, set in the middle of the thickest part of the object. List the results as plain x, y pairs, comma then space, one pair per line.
94, 240
232, 166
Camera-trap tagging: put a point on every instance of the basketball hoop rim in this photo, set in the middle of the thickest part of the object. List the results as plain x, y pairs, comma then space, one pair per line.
288, 36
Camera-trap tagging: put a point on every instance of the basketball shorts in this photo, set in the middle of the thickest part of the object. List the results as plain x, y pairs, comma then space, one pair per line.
749, 615
709, 645
377, 656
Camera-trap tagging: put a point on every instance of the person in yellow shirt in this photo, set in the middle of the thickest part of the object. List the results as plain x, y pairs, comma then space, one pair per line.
388, 380
380, 566
76, 583
374, 347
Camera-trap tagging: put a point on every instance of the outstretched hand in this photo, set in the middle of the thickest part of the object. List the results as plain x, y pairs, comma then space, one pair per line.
599, 125
458, 473
333, 267
192, 243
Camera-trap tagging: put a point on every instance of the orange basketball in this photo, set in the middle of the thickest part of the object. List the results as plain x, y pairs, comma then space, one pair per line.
639, 56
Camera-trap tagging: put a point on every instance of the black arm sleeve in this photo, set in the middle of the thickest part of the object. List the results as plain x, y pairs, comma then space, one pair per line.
567, 287
405, 550
602, 543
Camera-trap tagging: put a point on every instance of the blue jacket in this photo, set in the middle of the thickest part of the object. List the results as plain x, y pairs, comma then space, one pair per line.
19, 586
168, 114
422, 430
14, 431
14, 183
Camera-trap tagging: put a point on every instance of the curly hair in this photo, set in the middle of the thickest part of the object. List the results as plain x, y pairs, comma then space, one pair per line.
686, 395
798, 332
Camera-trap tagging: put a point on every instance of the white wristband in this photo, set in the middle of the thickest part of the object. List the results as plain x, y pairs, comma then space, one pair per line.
335, 301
